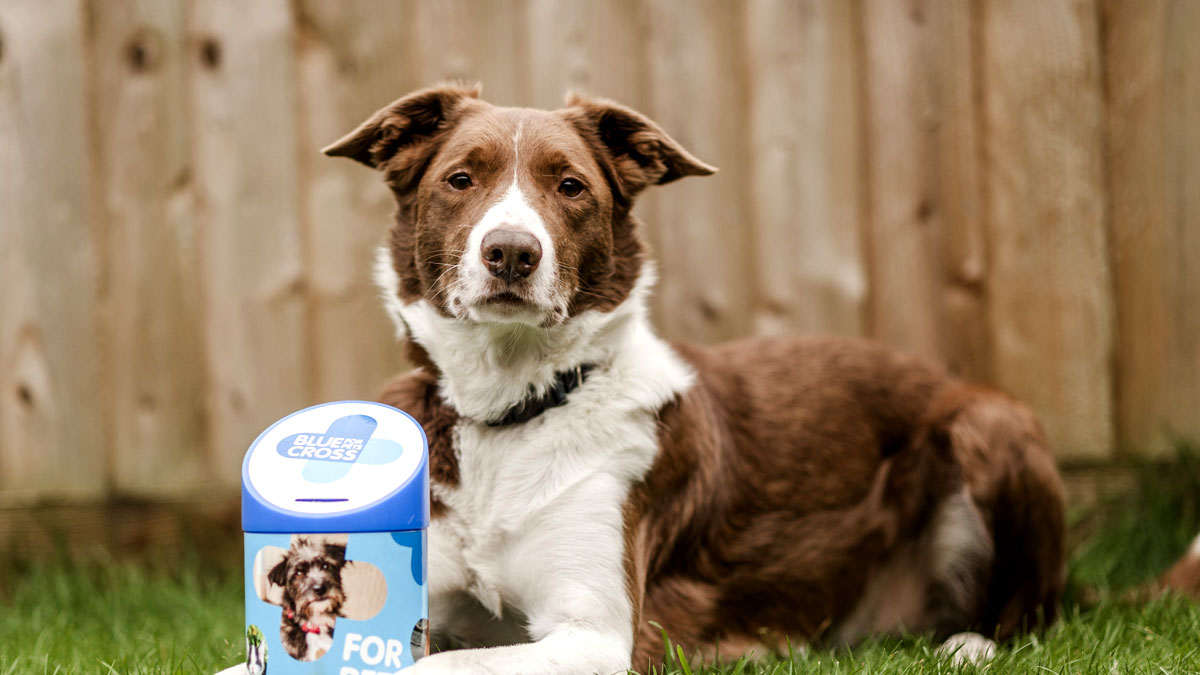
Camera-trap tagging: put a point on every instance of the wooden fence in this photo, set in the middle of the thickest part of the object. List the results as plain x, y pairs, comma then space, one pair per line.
1011, 187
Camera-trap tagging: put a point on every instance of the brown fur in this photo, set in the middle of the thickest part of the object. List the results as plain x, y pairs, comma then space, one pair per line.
794, 470
417, 394
1183, 577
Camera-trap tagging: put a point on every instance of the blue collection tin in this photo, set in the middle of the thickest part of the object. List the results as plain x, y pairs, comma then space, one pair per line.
335, 504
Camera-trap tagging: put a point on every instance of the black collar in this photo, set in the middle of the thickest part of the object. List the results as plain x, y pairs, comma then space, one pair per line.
533, 405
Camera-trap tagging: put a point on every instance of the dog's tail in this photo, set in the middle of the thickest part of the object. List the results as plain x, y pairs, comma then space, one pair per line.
1010, 474
1183, 577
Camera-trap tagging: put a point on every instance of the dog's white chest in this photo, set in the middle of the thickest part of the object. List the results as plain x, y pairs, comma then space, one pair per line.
525, 488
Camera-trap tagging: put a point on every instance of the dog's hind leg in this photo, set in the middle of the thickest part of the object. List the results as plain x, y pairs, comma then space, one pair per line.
1012, 480
990, 558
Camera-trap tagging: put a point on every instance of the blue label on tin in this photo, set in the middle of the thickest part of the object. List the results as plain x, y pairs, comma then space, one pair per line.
341, 442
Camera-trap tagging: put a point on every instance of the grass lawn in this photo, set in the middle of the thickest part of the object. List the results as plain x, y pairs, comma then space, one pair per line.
186, 616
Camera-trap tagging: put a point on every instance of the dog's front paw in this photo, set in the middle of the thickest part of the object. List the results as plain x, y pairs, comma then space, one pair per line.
434, 664
464, 662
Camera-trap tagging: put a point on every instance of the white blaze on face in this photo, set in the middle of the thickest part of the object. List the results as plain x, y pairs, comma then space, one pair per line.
512, 212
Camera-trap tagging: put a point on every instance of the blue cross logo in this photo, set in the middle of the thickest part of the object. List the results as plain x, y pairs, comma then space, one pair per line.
330, 455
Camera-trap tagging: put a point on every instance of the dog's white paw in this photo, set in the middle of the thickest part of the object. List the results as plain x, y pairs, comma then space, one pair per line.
436, 664
968, 648
239, 669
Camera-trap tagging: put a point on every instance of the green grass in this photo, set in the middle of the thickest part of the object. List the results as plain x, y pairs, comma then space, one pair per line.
118, 617
1160, 637
185, 616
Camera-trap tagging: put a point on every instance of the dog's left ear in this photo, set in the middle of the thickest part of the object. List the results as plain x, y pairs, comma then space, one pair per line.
336, 553
642, 153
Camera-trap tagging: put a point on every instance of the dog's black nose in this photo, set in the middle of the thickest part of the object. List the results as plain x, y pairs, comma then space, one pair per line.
510, 254
320, 589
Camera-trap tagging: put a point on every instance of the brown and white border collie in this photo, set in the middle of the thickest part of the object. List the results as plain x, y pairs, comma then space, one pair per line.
589, 478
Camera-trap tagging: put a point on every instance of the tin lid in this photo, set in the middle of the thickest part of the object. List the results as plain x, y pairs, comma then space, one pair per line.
348, 466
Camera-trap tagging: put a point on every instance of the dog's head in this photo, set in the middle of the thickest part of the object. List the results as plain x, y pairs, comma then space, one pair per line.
311, 577
513, 214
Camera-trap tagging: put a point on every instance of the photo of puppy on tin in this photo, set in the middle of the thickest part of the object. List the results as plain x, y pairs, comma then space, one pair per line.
311, 576
314, 584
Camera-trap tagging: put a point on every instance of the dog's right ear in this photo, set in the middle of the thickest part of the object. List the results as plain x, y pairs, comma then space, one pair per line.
278, 573
399, 137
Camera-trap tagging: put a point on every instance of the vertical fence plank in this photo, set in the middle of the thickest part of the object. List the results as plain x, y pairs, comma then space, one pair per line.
951, 52
902, 197
595, 47
1153, 56
926, 245
473, 41
244, 106
558, 59
1049, 278
700, 226
153, 313
52, 408
805, 167
353, 58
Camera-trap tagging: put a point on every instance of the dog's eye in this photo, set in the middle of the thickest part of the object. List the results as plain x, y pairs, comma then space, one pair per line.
570, 188
459, 181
